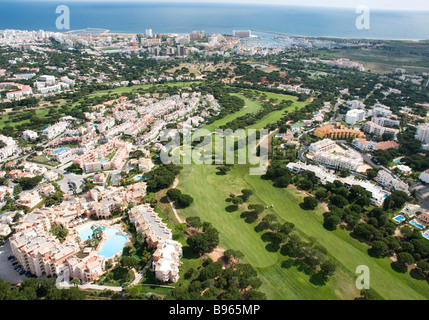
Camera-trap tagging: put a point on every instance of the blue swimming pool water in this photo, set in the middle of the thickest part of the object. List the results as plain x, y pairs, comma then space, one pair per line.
111, 231
86, 233
278, 135
399, 218
59, 150
417, 225
139, 177
104, 160
426, 235
113, 245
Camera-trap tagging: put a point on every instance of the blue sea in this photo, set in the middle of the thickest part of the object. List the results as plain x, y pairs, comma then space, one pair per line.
222, 18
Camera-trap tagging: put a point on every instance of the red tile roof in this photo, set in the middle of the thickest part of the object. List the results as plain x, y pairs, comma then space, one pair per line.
386, 145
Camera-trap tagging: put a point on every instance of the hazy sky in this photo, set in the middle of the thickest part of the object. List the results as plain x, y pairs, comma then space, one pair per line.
416, 5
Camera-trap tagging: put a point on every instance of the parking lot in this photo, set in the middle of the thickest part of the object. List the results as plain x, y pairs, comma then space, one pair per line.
7, 272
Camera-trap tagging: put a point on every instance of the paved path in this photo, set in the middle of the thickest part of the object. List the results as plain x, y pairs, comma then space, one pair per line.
175, 184
140, 276
98, 287
93, 287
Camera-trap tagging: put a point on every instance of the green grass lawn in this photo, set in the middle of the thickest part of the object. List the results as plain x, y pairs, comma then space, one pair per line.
210, 192
275, 116
43, 159
6, 121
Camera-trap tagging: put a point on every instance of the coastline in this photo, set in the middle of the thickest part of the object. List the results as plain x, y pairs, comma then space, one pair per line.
107, 32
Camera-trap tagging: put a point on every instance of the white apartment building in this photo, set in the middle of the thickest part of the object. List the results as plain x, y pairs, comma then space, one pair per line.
383, 121
355, 104
10, 149
381, 110
349, 160
388, 181
49, 89
47, 78
324, 145
166, 259
26, 76
67, 80
355, 115
424, 176
377, 130
423, 133
325, 176
29, 135
56, 129
322, 153
363, 144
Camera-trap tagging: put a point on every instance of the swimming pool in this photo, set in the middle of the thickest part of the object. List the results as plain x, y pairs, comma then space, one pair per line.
278, 135
111, 231
59, 150
86, 232
113, 245
399, 218
425, 235
417, 224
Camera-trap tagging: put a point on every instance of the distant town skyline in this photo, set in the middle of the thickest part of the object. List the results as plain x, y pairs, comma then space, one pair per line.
411, 5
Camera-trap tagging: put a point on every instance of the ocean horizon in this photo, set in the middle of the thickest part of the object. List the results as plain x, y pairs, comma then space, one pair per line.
132, 17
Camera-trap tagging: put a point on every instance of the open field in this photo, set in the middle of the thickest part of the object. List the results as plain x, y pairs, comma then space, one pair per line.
250, 107
411, 56
254, 106
210, 191
5, 120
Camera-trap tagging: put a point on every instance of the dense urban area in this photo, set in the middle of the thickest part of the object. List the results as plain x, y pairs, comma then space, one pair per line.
84, 196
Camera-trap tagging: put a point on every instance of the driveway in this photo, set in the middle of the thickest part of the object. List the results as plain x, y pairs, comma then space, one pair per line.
7, 272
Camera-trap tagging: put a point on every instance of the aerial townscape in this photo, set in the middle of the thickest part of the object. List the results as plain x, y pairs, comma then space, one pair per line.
85, 197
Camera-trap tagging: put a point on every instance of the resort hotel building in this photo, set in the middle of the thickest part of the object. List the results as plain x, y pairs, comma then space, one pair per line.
327, 153
325, 176
339, 132
166, 259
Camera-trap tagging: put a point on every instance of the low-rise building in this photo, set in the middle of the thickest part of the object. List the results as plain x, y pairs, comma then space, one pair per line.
324, 145
29, 135
339, 132
424, 176
167, 255
29, 199
373, 128
388, 181
326, 176
355, 115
